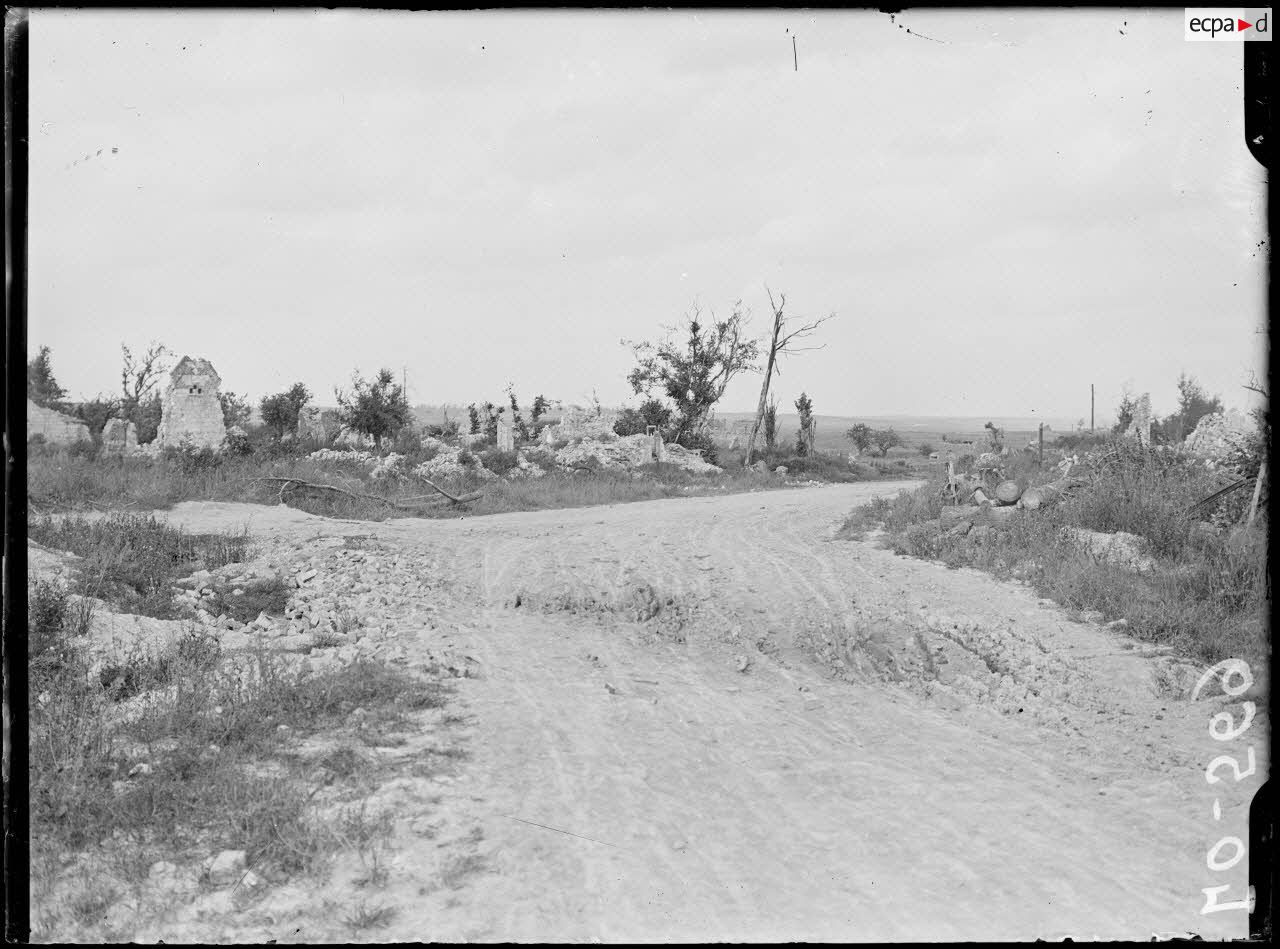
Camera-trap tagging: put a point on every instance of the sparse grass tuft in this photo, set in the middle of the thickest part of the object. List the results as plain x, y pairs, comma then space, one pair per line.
163, 753
456, 871
370, 916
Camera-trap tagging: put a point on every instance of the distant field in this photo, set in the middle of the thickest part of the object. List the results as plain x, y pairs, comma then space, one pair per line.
914, 429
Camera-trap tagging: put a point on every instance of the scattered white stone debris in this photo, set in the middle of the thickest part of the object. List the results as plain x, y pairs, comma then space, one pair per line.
227, 867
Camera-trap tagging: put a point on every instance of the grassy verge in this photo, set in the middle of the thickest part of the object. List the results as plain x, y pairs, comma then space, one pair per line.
1205, 594
161, 759
63, 480
132, 560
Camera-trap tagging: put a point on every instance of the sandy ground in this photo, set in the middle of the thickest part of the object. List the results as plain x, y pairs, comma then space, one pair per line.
910, 752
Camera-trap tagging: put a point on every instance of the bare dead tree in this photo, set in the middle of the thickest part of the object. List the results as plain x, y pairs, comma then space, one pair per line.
781, 343
139, 376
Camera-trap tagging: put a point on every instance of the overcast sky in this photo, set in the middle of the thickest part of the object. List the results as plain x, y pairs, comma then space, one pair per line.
1001, 207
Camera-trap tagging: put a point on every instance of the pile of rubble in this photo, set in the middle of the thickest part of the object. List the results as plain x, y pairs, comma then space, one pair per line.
590, 445
1220, 435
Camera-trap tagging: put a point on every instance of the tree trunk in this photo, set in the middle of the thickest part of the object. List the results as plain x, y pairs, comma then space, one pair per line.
1008, 491
764, 390
1045, 494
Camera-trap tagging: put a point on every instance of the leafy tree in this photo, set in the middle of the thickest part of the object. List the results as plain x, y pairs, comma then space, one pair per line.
280, 412
146, 418
804, 437
1124, 411
491, 413
694, 368
235, 409
473, 415
637, 421
377, 408
926, 449
780, 344
883, 439
42, 387
862, 436
1193, 405
540, 406
517, 420
771, 426
96, 412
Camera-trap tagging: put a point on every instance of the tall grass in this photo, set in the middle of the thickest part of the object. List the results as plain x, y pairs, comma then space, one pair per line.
131, 560
189, 751
1206, 596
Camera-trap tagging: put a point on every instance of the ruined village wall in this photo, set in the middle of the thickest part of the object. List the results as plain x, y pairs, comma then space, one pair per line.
56, 428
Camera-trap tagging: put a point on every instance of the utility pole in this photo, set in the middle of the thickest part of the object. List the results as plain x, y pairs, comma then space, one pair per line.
1090, 408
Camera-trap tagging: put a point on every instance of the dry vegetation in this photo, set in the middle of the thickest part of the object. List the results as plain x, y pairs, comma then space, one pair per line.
142, 763
80, 478
1206, 594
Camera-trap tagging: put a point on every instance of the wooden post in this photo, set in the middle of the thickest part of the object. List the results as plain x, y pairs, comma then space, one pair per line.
1090, 408
1040, 456
1257, 493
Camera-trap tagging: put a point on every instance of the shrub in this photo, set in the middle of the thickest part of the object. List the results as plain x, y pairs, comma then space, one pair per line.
637, 421
804, 437
1204, 595
238, 442
132, 560
771, 426
190, 459
408, 442
498, 461
280, 412
377, 408
701, 442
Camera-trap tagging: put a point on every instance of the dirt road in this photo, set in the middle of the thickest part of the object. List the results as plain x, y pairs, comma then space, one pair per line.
705, 719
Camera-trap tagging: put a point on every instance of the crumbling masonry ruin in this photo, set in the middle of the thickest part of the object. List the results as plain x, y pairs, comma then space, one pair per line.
192, 413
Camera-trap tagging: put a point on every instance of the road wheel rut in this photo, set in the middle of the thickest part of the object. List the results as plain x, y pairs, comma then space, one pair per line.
1020, 777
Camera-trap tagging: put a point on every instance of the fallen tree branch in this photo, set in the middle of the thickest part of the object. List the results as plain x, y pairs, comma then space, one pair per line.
287, 483
1217, 495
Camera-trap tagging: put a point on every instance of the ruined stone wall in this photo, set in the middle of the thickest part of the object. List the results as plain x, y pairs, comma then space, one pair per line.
119, 437
1219, 434
1140, 427
192, 413
56, 428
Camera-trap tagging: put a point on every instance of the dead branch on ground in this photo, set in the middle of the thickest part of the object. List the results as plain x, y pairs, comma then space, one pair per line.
402, 504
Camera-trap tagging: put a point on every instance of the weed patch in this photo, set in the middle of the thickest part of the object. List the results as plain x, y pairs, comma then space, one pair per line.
132, 560
193, 750
1207, 590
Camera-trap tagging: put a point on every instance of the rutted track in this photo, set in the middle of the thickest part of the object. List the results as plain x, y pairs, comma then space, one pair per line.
869, 776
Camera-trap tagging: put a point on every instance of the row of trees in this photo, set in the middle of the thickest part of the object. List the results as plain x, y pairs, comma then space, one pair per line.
866, 438
693, 365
